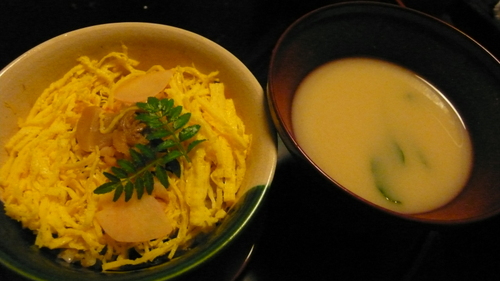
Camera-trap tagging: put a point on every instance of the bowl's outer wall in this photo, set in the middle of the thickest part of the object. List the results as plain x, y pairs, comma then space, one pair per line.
462, 70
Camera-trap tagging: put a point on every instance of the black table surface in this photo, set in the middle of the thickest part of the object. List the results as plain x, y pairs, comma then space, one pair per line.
310, 232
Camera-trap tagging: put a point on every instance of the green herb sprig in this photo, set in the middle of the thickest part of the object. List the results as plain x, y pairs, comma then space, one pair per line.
166, 133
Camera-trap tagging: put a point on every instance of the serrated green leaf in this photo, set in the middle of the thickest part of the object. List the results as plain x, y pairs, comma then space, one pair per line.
192, 144
162, 176
146, 118
170, 156
153, 121
129, 190
188, 132
139, 187
165, 145
156, 124
181, 121
106, 187
118, 192
154, 103
148, 182
119, 172
158, 134
166, 105
111, 177
146, 151
143, 105
126, 165
137, 158
174, 113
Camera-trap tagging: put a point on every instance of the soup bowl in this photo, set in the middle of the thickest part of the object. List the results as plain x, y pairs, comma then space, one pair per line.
465, 72
223, 253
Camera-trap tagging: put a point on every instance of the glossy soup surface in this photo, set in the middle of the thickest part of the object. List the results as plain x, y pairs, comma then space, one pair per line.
383, 133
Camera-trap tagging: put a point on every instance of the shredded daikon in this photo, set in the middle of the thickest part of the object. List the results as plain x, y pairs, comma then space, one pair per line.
47, 182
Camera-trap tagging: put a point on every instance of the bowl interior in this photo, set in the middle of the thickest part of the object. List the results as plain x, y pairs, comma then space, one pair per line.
22, 81
465, 73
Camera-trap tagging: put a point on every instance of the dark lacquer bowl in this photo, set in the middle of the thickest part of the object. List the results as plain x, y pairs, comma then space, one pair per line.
467, 74
226, 250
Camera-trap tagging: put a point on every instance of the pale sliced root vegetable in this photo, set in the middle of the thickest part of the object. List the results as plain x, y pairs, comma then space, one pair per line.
88, 133
138, 220
137, 88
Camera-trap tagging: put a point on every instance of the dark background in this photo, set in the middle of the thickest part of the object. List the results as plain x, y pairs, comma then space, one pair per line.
311, 232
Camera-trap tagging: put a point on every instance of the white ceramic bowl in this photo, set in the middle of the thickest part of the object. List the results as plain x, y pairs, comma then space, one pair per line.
22, 81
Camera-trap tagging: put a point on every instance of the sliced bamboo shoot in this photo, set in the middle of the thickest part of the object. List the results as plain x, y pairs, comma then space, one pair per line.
134, 89
137, 220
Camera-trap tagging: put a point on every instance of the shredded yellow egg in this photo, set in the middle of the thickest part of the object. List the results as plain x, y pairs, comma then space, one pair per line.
48, 180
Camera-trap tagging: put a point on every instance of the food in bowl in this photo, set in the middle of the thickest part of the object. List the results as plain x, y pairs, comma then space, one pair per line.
386, 134
118, 166
461, 69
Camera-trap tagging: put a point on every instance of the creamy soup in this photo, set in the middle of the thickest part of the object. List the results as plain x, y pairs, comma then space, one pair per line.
383, 133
